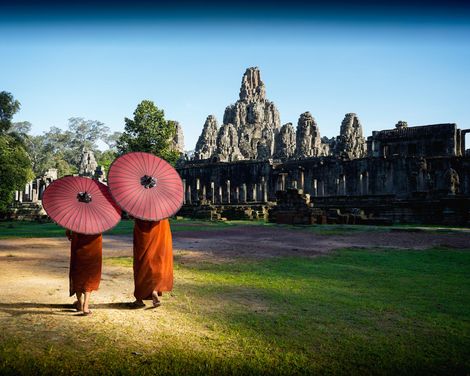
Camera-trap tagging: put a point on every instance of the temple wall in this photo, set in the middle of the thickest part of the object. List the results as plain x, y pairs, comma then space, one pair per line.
258, 181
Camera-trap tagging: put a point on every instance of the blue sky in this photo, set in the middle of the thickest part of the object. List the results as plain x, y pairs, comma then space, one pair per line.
384, 69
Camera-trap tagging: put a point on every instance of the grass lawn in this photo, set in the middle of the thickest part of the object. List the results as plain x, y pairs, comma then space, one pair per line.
25, 229
359, 312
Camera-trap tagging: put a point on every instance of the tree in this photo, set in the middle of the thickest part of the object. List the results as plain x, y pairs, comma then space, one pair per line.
112, 139
9, 106
64, 148
15, 165
105, 158
21, 128
85, 133
15, 169
149, 132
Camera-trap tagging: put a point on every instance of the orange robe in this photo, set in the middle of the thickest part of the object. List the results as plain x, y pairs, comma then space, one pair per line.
153, 258
85, 262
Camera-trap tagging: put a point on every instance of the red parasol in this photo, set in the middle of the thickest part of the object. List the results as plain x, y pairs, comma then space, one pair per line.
81, 204
145, 186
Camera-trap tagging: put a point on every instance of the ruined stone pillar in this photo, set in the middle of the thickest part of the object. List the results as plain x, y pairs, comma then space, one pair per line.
314, 188
34, 195
237, 194
28, 191
283, 182
204, 192
41, 191
184, 190
38, 189
343, 185
212, 192
228, 191
17, 195
197, 190
220, 195
301, 180
243, 193
255, 192
188, 193
366, 182
264, 190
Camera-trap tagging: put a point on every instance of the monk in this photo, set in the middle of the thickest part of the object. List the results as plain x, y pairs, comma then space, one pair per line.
85, 267
153, 261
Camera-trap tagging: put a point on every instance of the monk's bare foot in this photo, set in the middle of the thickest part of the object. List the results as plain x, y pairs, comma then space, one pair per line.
136, 304
86, 313
155, 300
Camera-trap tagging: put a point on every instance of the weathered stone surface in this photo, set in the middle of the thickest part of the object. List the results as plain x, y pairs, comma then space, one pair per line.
350, 143
207, 142
452, 181
308, 140
252, 88
227, 144
285, 142
178, 140
255, 118
412, 174
88, 164
420, 141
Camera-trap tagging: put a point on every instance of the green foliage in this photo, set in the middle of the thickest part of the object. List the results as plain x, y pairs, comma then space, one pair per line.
105, 158
148, 131
15, 169
62, 149
9, 106
85, 133
111, 139
21, 129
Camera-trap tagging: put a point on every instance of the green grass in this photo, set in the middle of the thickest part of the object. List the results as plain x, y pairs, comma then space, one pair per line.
356, 311
396, 312
26, 229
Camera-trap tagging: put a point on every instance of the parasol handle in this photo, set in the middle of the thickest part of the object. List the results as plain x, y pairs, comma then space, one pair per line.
148, 181
84, 197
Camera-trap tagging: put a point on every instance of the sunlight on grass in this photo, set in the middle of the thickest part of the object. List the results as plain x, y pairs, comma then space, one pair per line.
348, 312
351, 312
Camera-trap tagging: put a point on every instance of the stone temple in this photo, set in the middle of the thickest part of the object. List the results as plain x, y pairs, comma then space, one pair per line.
251, 166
